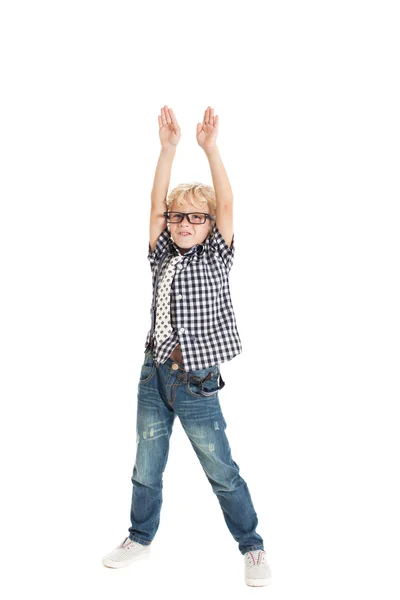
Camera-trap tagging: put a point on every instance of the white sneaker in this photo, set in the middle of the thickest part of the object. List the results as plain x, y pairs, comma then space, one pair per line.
256, 571
124, 554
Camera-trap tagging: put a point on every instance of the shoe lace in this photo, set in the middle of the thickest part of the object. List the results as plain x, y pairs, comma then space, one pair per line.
255, 557
126, 542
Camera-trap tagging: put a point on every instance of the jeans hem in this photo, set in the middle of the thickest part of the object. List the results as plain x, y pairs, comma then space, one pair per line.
250, 548
134, 538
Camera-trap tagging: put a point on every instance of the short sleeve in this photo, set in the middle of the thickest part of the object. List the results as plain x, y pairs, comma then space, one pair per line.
219, 245
162, 243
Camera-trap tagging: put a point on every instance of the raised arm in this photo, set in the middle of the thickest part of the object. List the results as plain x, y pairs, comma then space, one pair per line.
170, 134
206, 137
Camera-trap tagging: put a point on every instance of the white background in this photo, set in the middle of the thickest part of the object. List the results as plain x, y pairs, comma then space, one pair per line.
308, 99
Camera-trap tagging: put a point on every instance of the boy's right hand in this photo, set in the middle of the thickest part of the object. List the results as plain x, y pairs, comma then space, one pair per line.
170, 132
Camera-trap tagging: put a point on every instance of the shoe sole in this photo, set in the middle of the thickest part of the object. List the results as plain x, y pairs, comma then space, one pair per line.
108, 562
258, 582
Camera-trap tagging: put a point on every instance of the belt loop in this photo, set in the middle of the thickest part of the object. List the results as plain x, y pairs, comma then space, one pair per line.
222, 381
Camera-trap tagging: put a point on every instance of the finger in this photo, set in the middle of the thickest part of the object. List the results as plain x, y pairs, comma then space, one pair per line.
167, 115
173, 118
212, 116
164, 122
207, 115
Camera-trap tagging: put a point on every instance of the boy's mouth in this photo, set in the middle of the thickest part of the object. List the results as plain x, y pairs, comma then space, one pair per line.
185, 233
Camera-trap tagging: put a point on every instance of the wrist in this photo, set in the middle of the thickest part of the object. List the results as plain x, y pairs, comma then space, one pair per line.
211, 150
170, 149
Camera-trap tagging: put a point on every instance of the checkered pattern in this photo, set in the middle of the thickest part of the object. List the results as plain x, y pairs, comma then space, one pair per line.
202, 316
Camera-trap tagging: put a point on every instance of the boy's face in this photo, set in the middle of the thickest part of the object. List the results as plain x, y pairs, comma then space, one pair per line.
197, 233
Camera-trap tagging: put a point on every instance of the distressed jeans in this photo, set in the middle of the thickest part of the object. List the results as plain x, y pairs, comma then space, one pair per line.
164, 391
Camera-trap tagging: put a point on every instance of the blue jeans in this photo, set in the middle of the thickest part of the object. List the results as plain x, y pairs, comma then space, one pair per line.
164, 391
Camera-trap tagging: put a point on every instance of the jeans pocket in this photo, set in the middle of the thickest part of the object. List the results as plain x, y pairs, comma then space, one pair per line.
203, 383
148, 367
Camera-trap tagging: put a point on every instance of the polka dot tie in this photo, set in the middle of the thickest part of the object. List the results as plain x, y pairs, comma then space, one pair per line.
163, 317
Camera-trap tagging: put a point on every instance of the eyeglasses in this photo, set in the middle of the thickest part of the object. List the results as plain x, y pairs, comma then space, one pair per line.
193, 218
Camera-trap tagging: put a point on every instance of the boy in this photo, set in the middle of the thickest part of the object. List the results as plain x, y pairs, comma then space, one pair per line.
193, 330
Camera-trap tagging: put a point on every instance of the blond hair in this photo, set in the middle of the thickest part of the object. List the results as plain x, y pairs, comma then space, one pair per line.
197, 194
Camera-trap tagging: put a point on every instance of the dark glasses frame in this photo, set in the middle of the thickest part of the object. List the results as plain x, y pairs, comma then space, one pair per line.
176, 212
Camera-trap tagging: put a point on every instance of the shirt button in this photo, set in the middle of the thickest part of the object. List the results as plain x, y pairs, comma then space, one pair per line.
182, 330
180, 297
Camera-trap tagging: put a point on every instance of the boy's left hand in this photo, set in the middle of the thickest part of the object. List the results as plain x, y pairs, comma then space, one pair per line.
208, 130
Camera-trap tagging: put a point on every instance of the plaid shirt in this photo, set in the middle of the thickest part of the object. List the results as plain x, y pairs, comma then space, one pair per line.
202, 317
